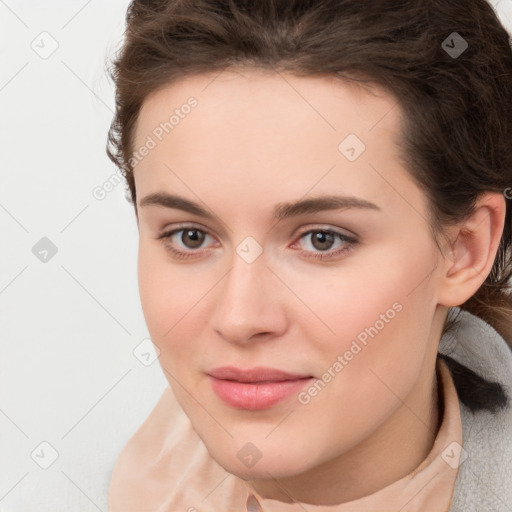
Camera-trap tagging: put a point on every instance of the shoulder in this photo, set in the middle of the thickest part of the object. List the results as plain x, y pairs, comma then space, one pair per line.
481, 364
480, 361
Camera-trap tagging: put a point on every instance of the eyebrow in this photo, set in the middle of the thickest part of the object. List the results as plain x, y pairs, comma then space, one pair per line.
281, 211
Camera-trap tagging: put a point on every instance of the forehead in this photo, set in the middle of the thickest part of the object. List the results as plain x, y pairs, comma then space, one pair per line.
251, 128
256, 95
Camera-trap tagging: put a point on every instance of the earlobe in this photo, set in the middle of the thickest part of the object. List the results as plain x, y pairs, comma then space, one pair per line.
472, 251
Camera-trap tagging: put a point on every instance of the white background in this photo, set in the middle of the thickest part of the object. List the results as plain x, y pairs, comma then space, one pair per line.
68, 325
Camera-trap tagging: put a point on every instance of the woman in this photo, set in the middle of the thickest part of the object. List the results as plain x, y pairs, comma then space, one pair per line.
322, 191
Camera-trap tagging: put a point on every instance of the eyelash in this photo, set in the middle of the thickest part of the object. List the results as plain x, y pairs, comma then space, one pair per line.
322, 255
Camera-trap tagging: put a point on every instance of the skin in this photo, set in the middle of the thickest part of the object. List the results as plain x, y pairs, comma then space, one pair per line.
257, 139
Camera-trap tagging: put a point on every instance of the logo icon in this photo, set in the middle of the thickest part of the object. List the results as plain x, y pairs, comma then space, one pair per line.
249, 249
454, 45
44, 455
249, 455
44, 250
45, 45
351, 147
146, 352
454, 455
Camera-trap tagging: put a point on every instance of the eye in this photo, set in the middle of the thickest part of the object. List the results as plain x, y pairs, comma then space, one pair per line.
190, 237
323, 241
185, 242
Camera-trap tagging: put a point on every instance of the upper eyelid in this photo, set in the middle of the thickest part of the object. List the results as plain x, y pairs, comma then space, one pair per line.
182, 227
309, 227
326, 227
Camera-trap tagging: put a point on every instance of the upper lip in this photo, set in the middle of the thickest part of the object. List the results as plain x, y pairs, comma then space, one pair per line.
257, 374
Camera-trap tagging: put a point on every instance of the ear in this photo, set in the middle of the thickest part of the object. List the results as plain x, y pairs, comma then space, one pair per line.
472, 249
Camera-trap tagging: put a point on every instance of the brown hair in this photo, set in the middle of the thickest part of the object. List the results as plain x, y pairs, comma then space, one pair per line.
457, 134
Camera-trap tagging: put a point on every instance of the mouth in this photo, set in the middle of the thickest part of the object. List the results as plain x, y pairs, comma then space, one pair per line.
256, 388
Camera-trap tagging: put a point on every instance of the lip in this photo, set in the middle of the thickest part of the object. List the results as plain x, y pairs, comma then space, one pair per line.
255, 388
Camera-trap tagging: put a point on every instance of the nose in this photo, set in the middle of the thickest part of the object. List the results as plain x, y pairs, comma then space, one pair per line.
249, 303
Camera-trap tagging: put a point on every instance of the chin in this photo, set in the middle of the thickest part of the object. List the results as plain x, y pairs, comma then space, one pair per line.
249, 463
262, 471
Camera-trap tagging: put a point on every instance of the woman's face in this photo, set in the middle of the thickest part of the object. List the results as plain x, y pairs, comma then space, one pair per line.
339, 290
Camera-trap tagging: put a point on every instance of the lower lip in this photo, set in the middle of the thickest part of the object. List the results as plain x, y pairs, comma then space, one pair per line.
253, 397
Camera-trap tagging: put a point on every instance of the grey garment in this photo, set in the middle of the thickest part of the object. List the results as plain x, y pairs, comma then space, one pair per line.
484, 481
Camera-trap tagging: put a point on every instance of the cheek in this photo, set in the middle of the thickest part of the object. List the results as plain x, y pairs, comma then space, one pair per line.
152, 287
171, 299
374, 314
165, 297
344, 302
387, 331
